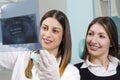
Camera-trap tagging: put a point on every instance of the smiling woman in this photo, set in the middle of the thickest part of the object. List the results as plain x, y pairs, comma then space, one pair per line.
56, 38
101, 48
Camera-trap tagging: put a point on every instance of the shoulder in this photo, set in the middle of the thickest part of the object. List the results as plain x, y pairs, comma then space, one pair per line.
78, 65
70, 73
71, 67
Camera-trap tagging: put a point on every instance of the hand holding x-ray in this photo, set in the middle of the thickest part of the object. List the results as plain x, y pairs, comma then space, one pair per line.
46, 65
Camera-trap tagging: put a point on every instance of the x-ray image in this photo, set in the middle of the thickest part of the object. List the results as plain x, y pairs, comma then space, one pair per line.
19, 30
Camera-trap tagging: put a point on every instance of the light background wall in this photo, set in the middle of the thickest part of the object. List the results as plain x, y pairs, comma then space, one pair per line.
80, 13
45, 5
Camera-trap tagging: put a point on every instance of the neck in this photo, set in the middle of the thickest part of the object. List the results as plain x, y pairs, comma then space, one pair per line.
102, 61
54, 52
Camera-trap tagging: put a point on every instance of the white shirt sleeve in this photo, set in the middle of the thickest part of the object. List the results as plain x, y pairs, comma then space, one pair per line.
8, 59
70, 73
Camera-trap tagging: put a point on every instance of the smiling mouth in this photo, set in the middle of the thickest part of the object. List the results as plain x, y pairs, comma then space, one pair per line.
93, 47
47, 41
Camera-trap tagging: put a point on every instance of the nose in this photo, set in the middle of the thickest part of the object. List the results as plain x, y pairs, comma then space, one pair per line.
94, 39
48, 33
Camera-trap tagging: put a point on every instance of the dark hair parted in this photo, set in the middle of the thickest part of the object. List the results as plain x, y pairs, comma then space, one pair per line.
111, 29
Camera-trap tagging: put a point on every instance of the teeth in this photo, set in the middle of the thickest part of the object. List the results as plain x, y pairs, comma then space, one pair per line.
47, 41
94, 47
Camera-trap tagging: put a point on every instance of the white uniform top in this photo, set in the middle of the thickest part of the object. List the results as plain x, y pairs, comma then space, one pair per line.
18, 61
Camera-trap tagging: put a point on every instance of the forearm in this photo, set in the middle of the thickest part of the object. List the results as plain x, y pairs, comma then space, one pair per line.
7, 60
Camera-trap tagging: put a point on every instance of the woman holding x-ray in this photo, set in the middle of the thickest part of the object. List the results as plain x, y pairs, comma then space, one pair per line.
50, 63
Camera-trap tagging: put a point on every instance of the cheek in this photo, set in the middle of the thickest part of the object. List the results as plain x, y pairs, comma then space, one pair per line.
87, 40
42, 32
105, 44
59, 38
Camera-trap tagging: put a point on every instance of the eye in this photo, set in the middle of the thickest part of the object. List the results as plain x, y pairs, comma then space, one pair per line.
102, 36
90, 34
55, 31
45, 28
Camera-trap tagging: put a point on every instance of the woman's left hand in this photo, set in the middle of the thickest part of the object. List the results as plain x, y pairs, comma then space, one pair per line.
47, 66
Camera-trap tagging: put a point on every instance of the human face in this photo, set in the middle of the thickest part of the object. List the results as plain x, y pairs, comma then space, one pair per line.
98, 41
51, 34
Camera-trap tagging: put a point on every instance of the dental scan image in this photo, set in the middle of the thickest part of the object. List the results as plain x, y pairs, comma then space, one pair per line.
19, 30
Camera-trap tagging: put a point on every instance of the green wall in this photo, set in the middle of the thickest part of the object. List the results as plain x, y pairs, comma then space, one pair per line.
80, 13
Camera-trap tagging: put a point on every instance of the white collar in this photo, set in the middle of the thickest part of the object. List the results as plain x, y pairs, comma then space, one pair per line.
87, 63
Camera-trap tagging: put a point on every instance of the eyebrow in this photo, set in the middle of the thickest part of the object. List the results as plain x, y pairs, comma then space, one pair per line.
98, 33
43, 24
54, 27
57, 28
